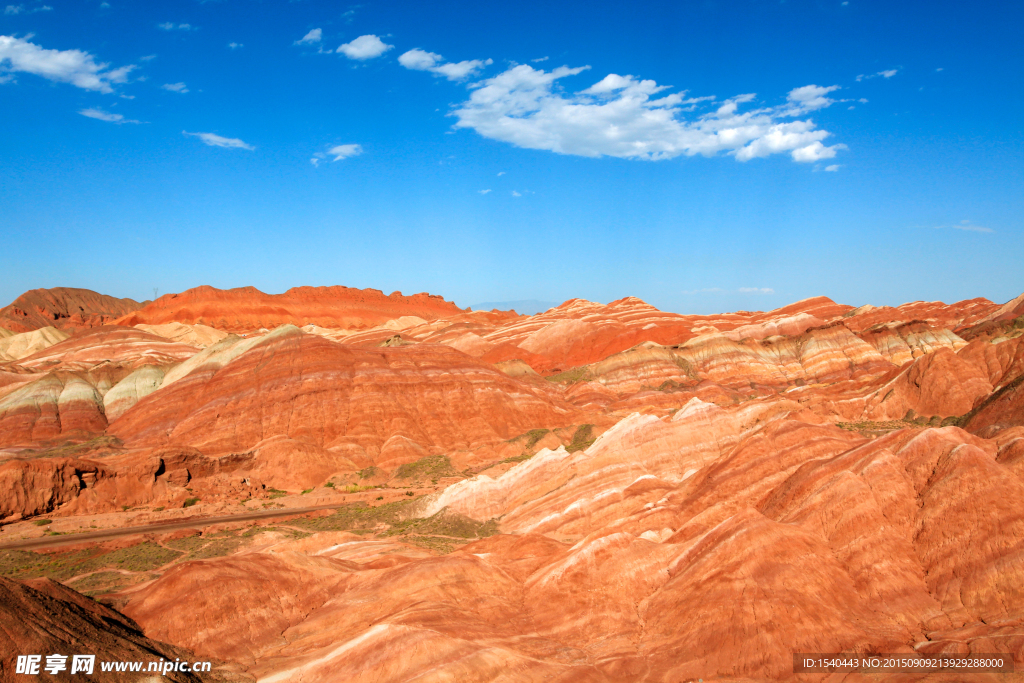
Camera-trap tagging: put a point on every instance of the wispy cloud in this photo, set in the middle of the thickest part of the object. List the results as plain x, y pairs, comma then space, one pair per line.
965, 225
21, 9
832, 168
171, 26
539, 60
756, 290
421, 60
214, 140
622, 116
888, 73
338, 152
516, 194
484, 191
364, 47
66, 66
235, 46
175, 87
344, 151
101, 115
311, 38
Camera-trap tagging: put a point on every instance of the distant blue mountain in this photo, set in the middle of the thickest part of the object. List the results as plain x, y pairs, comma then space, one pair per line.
525, 307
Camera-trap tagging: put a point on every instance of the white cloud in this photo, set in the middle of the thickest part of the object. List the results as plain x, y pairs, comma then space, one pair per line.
888, 73
66, 66
175, 87
939, 69
339, 152
364, 47
619, 117
104, 5
965, 225
812, 152
501, 173
707, 290
171, 26
147, 58
235, 46
484, 191
539, 59
20, 9
421, 60
756, 290
101, 115
214, 140
516, 194
310, 38
832, 168
810, 98
344, 151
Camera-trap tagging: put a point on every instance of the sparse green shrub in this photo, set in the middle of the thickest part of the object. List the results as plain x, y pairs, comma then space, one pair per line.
189, 502
368, 473
582, 439
431, 466
581, 374
535, 435
687, 367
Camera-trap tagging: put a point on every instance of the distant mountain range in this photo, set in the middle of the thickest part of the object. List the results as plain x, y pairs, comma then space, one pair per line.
523, 307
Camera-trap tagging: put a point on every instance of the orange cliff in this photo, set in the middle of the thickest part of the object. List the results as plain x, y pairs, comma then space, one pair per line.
246, 309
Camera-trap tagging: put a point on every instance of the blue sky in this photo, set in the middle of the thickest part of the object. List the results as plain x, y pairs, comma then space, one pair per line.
704, 156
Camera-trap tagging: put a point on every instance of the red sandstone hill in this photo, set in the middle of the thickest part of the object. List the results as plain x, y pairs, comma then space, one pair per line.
43, 617
388, 404
63, 308
245, 309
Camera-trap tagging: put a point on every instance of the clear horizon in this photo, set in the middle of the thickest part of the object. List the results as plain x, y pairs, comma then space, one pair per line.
731, 156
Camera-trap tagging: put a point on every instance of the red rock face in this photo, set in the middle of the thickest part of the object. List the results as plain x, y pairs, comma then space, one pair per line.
51, 618
246, 308
37, 486
319, 392
63, 308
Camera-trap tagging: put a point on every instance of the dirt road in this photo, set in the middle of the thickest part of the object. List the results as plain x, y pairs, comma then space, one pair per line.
169, 525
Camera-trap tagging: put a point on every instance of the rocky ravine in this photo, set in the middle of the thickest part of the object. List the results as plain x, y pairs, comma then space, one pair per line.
596, 493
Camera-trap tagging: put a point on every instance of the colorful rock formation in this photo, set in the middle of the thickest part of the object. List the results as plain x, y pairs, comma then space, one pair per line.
595, 493
63, 308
